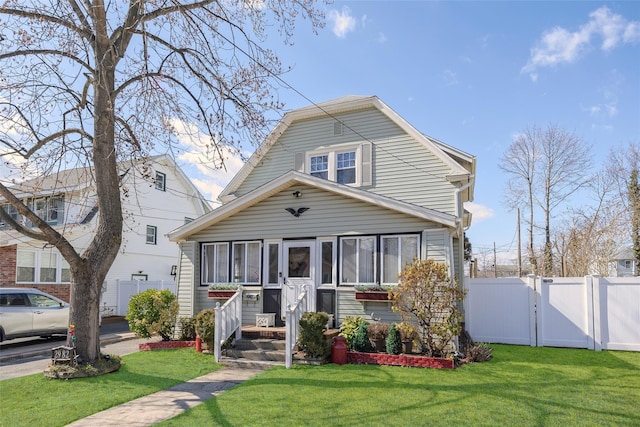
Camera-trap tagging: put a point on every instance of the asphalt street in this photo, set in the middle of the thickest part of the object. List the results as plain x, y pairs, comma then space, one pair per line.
29, 356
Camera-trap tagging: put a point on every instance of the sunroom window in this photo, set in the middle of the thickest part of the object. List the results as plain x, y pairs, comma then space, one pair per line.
397, 251
246, 262
215, 263
358, 259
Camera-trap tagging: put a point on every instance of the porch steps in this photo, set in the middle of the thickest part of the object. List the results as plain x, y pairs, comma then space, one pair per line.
255, 353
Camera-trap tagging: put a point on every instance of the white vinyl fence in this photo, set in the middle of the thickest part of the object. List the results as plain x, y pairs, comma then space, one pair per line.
590, 312
127, 288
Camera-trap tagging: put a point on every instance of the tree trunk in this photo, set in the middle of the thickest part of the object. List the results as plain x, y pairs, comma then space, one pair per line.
84, 311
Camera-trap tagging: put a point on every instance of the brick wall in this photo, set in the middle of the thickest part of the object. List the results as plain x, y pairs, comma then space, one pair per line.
8, 255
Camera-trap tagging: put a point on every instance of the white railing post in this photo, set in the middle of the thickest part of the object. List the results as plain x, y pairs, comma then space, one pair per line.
293, 314
217, 331
228, 319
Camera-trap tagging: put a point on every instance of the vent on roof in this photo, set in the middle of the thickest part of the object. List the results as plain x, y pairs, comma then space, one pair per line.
338, 129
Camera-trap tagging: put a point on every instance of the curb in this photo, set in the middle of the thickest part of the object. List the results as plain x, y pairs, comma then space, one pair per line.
108, 339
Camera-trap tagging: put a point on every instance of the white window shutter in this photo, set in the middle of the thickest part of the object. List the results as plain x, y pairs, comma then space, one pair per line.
299, 162
366, 174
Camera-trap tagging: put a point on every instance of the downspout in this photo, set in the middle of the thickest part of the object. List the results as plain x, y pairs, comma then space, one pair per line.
459, 219
459, 228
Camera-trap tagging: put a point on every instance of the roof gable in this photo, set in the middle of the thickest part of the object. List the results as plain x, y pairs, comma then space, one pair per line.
460, 164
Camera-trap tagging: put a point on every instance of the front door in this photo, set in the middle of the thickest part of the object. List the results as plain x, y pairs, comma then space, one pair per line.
299, 265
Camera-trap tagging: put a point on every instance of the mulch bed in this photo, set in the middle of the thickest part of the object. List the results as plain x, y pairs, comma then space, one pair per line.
162, 345
399, 360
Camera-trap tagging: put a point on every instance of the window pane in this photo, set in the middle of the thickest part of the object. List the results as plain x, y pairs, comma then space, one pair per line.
348, 261
346, 167
253, 264
151, 235
65, 272
327, 263
238, 262
366, 258
56, 210
26, 266
48, 267
160, 181
299, 260
409, 250
208, 266
273, 263
319, 166
390, 260
222, 263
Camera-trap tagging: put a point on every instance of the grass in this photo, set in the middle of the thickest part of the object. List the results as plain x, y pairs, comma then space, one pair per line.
37, 401
520, 386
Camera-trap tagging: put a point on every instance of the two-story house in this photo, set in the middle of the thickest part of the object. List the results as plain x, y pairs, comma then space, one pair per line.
340, 194
157, 197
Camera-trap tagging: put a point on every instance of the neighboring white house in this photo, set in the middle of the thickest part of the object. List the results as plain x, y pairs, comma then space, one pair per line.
157, 197
340, 194
624, 264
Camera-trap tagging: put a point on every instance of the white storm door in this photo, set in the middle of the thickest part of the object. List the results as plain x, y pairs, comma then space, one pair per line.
298, 261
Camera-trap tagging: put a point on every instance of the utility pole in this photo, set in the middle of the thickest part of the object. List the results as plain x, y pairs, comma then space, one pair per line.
495, 261
519, 246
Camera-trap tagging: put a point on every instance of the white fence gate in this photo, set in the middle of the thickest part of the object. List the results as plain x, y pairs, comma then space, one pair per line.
591, 312
127, 288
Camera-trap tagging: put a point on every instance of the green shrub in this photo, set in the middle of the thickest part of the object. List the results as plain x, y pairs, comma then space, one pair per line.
205, 326
187, 329
349, 327
153, 312
361, 341
394, 340
311, 339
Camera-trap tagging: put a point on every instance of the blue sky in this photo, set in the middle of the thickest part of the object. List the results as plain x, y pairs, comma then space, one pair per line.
473, 75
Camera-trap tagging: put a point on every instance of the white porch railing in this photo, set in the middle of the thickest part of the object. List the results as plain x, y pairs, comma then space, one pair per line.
292, 318
228, 319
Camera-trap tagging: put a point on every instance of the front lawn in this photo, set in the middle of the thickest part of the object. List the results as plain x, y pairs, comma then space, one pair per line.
37, 401
520, 386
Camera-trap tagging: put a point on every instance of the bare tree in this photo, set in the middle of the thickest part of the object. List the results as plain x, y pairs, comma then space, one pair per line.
624, 167
548, 166
95, 83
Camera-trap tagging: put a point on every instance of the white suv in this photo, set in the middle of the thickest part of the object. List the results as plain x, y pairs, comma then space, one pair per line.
27, 312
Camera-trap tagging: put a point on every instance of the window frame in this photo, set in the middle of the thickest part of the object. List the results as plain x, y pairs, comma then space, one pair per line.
399, 265
374, 253
161, 181
266, 256
216, 267
61, 267
154, 234
320, 241
246, 261
332, 157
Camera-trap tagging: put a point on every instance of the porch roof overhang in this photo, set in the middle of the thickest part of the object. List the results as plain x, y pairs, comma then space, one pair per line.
292, 178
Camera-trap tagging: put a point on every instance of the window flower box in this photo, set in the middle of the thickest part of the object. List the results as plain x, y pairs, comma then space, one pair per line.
372, 296
373, 293
222, 291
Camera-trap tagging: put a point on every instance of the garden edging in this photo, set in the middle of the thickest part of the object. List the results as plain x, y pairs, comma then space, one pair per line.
399, 360
161, 345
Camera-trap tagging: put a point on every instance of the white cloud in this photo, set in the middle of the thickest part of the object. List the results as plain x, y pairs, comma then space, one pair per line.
212, 168
450, 77
382, 38
342, 22
560, 46
479, 212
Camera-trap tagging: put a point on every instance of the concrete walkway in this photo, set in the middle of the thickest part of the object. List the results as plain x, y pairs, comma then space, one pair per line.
160, 406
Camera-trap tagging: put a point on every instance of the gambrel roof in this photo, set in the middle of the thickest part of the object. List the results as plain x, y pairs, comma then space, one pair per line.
461, 165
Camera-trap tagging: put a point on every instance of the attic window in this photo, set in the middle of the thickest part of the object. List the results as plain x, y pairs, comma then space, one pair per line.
161, 181
338, 129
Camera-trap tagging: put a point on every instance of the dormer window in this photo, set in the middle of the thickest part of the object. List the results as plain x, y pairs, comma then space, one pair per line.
161, 181
344, 164
346, 167
319, 166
